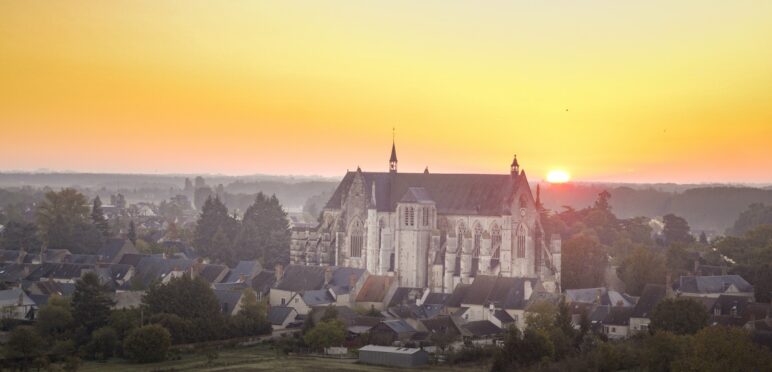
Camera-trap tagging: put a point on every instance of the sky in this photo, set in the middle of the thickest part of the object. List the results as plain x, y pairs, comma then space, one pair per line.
633, 91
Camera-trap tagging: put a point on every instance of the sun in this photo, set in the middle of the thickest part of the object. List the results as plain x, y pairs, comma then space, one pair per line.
558, 176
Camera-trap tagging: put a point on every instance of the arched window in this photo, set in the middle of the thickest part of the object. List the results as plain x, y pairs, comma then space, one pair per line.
357, 239
409, 216
476, 249
461, 232
495, 242
391, 262
521, 242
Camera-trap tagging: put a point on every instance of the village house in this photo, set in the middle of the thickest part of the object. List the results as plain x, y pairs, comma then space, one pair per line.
640, 318
714, 286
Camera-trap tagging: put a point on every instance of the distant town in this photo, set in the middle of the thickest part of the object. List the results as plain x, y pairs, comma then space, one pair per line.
445, 271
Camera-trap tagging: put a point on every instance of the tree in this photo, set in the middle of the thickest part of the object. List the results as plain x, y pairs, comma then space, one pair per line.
523, 349
103, 343
679, 315
64, 222
54, 320
642, 266
264, 233
132, 234
756, 214
722, 348
584, 263
676, 230
214, 218
326, 334
98, 218
20, 235
147, 344
252, 318
90, 305
602, 202
541, 315
662, 349
194, 305
24, 344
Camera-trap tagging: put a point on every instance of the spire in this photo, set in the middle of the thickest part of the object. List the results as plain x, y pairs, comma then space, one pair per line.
514, 169
538, 194
393, 158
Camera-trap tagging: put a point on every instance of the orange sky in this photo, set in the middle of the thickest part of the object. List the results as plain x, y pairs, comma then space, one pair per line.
607, 90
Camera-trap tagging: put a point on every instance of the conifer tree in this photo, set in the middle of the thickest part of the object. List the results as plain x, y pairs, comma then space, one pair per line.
98, 217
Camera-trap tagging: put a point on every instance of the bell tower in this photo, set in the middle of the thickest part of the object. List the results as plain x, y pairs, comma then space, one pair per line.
514, 169
393, 158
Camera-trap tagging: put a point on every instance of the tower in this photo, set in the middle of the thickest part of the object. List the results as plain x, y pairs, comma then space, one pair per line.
515, 167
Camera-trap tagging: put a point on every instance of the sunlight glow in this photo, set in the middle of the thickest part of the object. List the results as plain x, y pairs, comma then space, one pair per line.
558, 176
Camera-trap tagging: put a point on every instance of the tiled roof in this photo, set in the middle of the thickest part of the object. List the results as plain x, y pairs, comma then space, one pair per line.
713, 284
374, 288
479, 194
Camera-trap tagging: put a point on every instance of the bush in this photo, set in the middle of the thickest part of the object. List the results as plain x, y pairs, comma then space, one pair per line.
147, 344
103, 344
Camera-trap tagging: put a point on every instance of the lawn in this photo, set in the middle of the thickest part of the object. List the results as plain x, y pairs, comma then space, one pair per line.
256, 358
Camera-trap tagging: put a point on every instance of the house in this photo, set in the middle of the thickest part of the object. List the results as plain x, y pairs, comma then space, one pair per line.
230, 301
441, 325
211, 273
262, 283
296, 280
373, 293
12, 274
480, 331
487, 294
389, 332
60, 272
158, 269
48, 255
243, 272
393, 356
114, 249
714, 286
12, 255
600, 296
16, 304
641, 315
616, 325
282, 317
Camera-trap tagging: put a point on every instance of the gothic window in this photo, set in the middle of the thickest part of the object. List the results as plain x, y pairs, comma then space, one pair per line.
426, 216
521, 242
357, 239
391, 262
461, 232
407, 215
412, 216
496, 242
477, 241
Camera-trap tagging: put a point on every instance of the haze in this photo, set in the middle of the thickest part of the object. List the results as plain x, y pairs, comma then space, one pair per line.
648, 91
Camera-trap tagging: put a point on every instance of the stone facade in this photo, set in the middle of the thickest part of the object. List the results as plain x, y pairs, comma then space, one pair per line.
432, 230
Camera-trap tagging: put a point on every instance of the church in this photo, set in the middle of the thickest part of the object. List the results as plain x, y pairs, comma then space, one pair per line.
433, 230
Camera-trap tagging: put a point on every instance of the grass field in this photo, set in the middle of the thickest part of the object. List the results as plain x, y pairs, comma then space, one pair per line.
257, 358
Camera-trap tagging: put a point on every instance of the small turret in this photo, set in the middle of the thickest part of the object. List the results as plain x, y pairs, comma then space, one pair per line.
515, 167
393, 159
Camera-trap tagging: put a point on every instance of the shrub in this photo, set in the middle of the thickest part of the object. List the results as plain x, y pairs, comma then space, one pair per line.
103, 344
147, 344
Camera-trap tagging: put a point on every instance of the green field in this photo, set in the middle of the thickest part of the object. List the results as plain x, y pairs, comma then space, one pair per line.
258, 358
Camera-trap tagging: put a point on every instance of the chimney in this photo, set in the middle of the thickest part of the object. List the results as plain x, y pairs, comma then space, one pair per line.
598, 295
528, 290
243, 278
327, 275
21, 298
278, 271
491, 308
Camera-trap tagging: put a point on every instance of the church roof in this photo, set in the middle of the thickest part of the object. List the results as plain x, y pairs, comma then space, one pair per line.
393, 153
416, 195
470, 194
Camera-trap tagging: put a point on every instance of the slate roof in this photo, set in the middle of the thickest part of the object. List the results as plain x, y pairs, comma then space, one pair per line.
481, 328
248, 269
58, 271
607, 297
599, 313
341, 278
82, 259
50, 256
301, 278
375, 288
726, 302
263, 281
211, 273
455, 298
476, 194
503, 292
13, 273
416, 195
618, 315
10, 297
437, 298
713, 284
317, 297
652, 294
111, 248
503, 317
405, 296
399, 326
441, 324
11, 255
227, 300
278, 314
152, 268
132, 259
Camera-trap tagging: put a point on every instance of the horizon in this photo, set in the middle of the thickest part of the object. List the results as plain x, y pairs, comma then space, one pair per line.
648, 92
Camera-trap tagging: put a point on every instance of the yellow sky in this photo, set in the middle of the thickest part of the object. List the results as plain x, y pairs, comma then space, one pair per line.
608, 90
